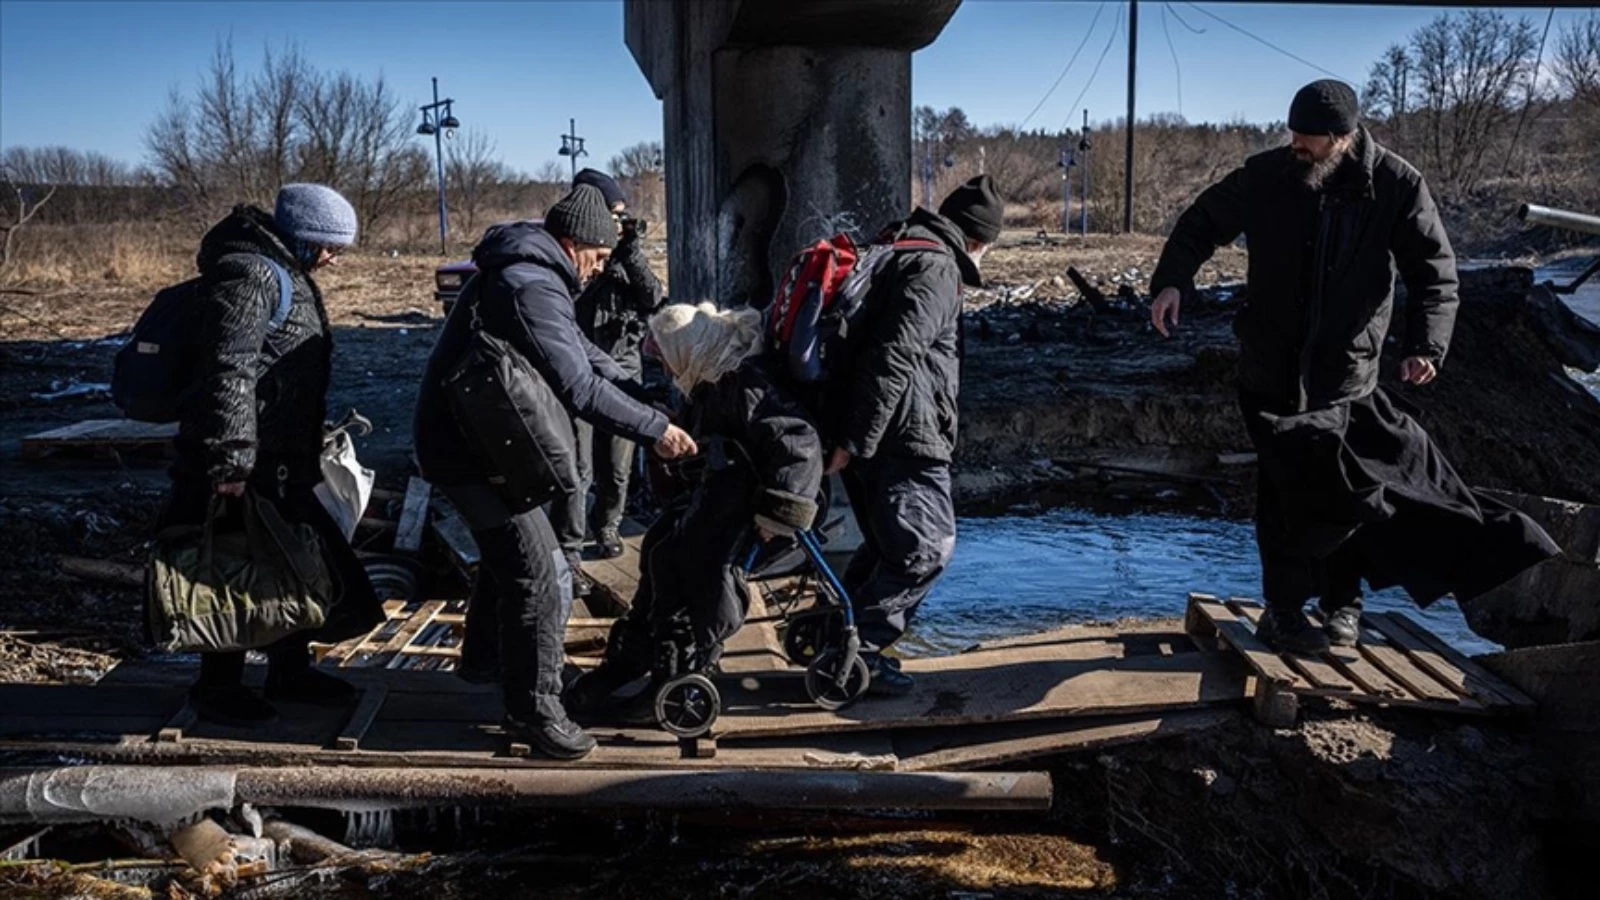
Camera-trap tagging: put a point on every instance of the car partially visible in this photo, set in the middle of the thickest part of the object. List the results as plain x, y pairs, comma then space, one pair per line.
447, 282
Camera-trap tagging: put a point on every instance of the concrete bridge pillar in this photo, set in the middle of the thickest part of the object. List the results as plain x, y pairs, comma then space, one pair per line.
785, 121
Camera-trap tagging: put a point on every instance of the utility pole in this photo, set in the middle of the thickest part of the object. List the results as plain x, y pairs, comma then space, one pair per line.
1133, 67
572, 146
927, 173
1067, 160
1083, 147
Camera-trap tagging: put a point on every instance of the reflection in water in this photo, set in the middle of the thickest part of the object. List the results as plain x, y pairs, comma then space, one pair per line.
1017, 574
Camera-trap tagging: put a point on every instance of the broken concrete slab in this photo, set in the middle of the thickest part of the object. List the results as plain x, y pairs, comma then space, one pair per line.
1575, 526
1557, 602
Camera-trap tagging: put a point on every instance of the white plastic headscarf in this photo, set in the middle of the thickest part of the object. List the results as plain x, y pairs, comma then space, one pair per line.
702, 343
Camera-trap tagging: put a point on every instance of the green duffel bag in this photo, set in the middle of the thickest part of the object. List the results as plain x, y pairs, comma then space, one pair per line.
212, 591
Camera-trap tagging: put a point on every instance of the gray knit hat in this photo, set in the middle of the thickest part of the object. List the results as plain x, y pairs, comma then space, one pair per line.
315, 214
582, 217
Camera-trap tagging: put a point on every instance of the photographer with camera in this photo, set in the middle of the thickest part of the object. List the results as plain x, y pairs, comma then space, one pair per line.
612, 312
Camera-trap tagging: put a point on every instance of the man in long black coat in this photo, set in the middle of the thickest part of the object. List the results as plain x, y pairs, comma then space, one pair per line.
1350, 487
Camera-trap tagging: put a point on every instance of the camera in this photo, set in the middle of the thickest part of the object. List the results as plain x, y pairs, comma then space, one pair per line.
633, 225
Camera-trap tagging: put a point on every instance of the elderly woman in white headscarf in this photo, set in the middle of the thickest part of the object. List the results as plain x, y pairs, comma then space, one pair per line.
758, 476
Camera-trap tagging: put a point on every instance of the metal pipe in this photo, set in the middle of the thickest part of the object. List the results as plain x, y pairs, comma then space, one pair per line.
1559, 218
94, 793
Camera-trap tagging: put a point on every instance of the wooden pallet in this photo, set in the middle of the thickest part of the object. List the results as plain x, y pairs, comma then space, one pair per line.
102, 437
1399, 663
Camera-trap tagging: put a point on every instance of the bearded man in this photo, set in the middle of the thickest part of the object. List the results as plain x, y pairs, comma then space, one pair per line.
1350, 487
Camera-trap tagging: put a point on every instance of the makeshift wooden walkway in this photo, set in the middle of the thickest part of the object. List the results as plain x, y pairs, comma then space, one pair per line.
1398, 663
101, 437
997, 704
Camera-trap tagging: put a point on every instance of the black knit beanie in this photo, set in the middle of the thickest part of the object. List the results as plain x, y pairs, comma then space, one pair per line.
582, 217
1324, 107
607, 185
976, 209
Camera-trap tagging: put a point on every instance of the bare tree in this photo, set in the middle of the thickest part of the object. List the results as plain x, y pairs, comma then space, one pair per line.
29, 199
1388, 85
638, 161
472, 174
1468, 71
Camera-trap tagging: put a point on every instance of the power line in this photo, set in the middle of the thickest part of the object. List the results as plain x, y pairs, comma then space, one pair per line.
1178, 67
1184, 22
1533, 78
1263, 41
1086, 35
1115, 30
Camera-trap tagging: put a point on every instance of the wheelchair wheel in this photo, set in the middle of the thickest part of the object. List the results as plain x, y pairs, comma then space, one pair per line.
806, 635
688, 706
822, 680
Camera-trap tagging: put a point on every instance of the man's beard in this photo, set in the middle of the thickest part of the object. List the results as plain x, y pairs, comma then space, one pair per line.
1314, 174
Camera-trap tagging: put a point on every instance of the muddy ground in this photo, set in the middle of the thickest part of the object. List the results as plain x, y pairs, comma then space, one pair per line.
1058, 398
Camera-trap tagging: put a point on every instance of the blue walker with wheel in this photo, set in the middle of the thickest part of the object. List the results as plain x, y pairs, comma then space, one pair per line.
823, 639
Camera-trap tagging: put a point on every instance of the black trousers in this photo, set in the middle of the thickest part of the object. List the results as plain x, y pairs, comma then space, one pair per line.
356, 608
605, 463
908, 529
520, 603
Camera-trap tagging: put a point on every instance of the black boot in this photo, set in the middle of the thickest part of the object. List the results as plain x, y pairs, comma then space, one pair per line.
309, 685
1343, 626
234, 705
582, 584
557, 737
627, 659
1288, 631
609, 544
887, 679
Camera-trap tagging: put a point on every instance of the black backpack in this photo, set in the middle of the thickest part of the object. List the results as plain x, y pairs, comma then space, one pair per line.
155, 369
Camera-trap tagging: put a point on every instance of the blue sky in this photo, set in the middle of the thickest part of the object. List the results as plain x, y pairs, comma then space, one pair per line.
92, 75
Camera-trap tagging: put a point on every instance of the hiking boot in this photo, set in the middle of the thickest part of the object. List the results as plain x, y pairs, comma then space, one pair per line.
556, 738
582, 584
1343, 626
1288, 631
887, 679
609, 544
311, 686
234, 705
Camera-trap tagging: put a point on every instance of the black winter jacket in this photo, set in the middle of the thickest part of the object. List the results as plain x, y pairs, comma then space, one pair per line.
769, 440
615, 303
259, 400
899, 396
524, 287
1322, 271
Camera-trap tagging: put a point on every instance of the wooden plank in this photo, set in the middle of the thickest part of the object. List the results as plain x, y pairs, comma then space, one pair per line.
1444, 662
408, 536
182, 721
1262, 658
1398, 666
926, 749
362, 718
390, 651
990, 686
1321, 674
454, 534
103, 570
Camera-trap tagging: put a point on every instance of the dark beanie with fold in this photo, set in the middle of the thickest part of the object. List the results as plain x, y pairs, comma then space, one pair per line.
607, 185
1325, 107
976, 208
583, 217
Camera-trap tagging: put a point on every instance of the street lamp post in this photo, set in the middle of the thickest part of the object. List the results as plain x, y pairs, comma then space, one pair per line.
572, 145
441, 123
